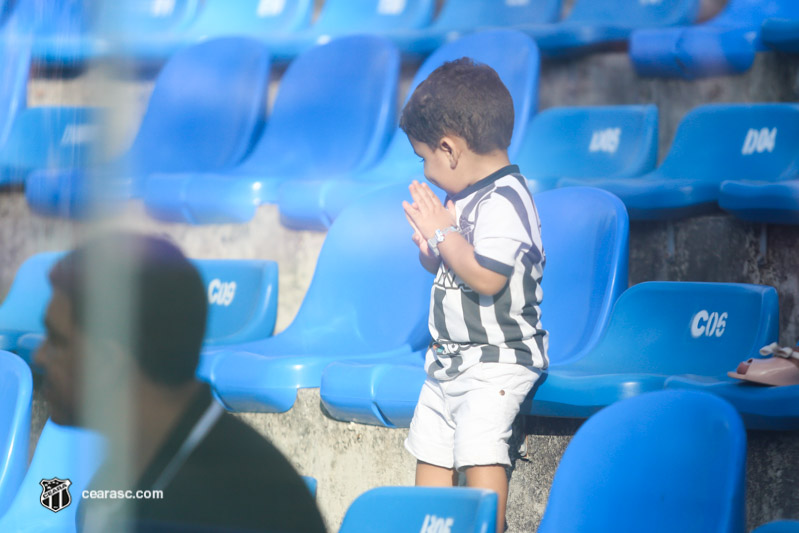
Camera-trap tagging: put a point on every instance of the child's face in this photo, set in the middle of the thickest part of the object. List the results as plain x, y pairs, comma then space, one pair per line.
437, 167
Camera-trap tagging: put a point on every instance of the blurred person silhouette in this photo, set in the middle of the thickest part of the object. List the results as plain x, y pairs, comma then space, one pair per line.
125, 327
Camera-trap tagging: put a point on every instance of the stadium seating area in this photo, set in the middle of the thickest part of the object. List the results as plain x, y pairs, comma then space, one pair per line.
646, 365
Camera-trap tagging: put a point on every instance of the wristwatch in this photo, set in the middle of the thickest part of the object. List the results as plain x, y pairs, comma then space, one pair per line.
433, 241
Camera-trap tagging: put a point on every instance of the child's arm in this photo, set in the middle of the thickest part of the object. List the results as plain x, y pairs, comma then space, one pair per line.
427, 215
429, 260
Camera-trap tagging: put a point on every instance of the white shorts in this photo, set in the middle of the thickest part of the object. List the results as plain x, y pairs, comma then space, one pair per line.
467, 421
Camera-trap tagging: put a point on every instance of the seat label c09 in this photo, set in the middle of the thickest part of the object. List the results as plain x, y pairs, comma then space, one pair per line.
221, 293
706, 324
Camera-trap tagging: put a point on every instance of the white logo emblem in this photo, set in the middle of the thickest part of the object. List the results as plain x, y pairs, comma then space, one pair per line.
605, 140
221, 293
434, 524
162, 8
391, 7
270, 8
708, 324
759, 141
78, 134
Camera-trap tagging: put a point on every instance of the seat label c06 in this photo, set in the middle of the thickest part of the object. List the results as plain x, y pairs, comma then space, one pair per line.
759, 141
708, 324
221, 293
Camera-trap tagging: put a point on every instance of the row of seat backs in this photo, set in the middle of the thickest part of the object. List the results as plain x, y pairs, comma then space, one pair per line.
176, 23
751, 142
664, 461
587, 256
724, 45
627, 468
298, 141
242, 297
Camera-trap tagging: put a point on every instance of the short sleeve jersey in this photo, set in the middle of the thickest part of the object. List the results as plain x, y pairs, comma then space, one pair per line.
498, 217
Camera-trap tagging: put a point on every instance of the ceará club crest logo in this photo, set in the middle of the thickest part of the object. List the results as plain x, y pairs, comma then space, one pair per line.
55, 494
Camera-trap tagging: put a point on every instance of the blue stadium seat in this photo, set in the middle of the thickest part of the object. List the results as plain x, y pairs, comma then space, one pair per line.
314, 204
136, 29
62, 31
401, 509
781, 34
779, 526
15, 61
347, 17
65, 453
461, 17
23, 309
16, 394
661, 462
658, 330
242, 302
713, 143
50, 139
334, 112
596, 24
589, 142
585, 234
205, 112
310, 482
724, 45
253, 18
774, 203
761, 407
367, 295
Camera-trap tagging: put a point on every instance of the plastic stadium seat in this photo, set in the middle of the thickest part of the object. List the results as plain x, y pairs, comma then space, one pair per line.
589, 142
658, 330
72, 32
775, 203
253, 18
780, 526
64, 453
16, 394
62, 31
460, 17
314, 204
661, 462
595, 24
346, 17
205, 111
761, 407
23, 309
15, 60
724, 45
333, 113
50, 139
585, 234
781, 34
368, 294
401, 509
713, 143
242, 303
135, 29
311, 483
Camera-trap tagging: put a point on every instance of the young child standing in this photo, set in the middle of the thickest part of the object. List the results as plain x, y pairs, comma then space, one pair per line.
484, 245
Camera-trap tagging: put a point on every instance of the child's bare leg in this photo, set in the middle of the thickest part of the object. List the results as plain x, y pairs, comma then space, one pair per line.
428, 475
491, 477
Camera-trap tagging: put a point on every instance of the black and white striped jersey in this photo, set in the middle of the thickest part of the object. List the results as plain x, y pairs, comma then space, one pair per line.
498, 217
